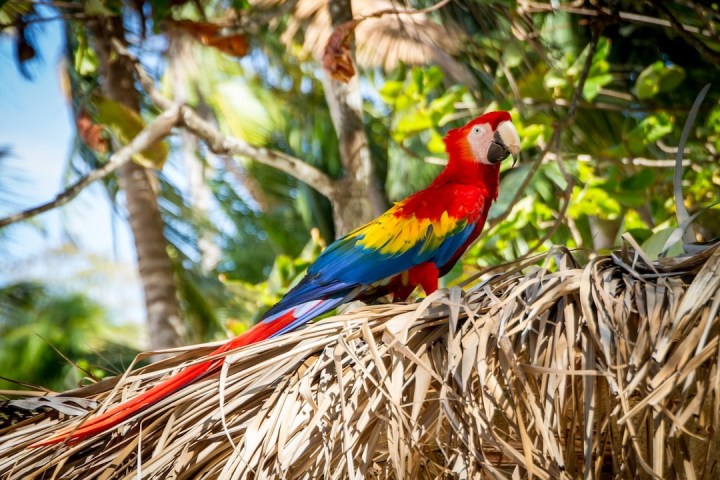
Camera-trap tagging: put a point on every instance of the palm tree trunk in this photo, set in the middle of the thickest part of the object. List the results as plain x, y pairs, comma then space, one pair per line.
165, 326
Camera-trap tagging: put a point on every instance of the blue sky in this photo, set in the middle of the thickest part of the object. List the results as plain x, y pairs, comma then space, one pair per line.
36, 123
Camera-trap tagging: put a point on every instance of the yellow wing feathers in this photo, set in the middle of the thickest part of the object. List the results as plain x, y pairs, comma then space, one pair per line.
390, 234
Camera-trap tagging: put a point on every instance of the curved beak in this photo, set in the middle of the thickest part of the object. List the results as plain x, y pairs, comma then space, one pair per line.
506, 141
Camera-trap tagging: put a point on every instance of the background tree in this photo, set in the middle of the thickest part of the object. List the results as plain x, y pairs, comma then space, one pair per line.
270, 145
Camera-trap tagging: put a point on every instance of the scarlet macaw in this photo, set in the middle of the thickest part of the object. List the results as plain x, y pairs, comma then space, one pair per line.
414, 243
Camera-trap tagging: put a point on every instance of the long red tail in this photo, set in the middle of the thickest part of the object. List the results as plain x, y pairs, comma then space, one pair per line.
120, 413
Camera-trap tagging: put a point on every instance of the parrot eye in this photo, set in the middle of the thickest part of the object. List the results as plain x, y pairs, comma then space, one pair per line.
476, 129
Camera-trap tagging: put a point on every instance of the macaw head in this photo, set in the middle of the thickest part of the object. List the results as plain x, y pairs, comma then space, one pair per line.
488, 139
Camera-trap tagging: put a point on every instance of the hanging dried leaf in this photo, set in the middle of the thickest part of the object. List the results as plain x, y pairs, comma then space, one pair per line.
211, 34
91, 133
234, 45
336, 59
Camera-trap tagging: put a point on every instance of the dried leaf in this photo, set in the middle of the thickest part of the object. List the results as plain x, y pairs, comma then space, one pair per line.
68, 405
337, 60
91, 133
212, 35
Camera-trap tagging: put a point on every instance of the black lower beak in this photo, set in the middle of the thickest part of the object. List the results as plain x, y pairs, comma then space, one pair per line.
497, 151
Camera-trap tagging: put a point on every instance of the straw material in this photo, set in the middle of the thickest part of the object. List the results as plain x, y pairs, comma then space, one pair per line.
560, 371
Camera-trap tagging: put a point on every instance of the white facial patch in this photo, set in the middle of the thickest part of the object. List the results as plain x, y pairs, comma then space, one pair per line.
479, 139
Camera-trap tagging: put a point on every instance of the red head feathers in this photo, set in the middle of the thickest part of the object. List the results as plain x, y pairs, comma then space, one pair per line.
476, 149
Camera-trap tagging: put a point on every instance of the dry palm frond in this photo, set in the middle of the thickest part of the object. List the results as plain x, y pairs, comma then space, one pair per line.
610, 369
413, 39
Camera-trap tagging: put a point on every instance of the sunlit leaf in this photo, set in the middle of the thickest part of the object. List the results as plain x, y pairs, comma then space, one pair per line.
658, 78
593, 201
413, 123
651, 129
390, 90
436, 143
655, 244
594, 84
530, 135
85, 60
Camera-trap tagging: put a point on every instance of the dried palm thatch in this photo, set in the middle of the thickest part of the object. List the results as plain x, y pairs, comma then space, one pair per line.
386, 41
557, 371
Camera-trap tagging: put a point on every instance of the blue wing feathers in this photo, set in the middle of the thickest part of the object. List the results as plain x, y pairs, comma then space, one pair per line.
351, 263
346, 267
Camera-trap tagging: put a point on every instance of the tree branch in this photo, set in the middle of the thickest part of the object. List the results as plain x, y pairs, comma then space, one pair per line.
155, 131
222, 144
226, 145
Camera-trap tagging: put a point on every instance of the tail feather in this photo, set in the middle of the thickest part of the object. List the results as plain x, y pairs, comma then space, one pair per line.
275, 323
120, 413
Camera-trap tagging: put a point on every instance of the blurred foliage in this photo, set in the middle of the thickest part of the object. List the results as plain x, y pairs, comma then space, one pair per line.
54, 339
124, 124
612, 161
251, 300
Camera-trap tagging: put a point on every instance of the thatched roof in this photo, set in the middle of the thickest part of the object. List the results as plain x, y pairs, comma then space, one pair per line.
611, 368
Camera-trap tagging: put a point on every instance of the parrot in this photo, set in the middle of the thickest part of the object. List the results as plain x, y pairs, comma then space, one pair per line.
414, 243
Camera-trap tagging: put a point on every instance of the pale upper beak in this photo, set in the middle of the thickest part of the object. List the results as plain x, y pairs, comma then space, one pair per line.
505, 142
509, 136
